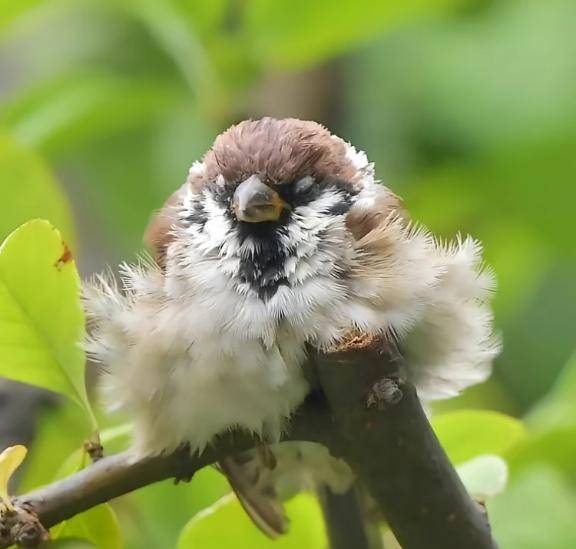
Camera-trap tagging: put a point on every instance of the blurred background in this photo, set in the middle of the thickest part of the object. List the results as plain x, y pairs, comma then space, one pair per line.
467, 107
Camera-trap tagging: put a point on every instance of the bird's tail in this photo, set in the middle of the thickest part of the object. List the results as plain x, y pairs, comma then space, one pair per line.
263, 478
259, 500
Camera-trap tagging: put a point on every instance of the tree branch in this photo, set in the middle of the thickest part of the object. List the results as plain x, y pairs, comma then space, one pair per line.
345, 522
381, 430
364, 413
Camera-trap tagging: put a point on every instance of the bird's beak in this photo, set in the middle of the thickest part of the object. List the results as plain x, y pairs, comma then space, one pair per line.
254, 202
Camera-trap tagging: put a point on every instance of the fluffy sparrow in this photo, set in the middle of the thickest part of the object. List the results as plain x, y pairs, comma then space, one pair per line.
280, 238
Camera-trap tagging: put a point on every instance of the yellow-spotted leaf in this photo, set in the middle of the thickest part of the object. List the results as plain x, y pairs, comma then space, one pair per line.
10, 460
41, 317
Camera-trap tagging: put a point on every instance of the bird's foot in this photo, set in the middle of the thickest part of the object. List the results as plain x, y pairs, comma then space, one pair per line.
266, 455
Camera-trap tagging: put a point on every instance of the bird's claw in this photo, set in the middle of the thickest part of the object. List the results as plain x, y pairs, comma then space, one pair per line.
266, 455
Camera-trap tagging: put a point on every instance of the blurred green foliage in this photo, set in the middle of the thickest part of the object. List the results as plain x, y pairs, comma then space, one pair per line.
36, 193
468, 109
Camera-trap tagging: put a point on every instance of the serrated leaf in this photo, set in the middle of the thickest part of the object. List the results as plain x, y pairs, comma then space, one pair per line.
41, 319
205, 530
469, 433
484, 476
10, 460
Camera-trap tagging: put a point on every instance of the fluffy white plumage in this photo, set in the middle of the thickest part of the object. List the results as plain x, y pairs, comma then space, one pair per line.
191, 350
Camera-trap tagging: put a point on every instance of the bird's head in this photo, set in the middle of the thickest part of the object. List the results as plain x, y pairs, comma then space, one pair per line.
275, 202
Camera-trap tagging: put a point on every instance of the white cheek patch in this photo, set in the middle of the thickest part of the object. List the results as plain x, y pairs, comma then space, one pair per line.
218, 226
215, 233
187, 204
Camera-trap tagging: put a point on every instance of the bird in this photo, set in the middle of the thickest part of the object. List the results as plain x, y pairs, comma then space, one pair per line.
280, 240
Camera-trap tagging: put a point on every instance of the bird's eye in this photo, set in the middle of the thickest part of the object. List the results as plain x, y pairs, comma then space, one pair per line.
303, 185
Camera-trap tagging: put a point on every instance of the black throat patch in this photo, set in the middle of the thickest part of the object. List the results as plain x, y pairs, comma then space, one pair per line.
264, 270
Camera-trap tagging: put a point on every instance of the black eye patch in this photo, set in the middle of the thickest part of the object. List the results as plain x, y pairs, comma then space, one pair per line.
300, 192
222, 194
305, 190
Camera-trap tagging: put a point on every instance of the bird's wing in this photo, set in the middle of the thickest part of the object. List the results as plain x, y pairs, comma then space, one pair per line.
436, 293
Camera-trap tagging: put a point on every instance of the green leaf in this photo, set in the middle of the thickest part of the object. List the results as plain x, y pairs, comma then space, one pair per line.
535, 512
29, 191
99, 526
484, 476
296, 32
163, 509
225, 523
470, 433
41, 321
